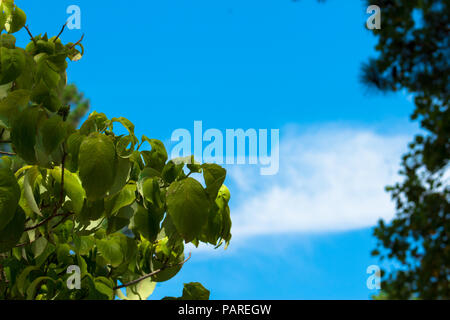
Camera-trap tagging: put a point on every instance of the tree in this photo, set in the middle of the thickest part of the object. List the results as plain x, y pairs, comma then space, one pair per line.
87, 199
79, 106
413, 47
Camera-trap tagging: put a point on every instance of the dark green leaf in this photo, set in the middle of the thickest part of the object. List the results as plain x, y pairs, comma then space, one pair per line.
96, 165
188, 205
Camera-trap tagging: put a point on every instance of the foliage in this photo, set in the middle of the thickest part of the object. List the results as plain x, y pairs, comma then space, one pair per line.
413, 47
79, 105
89, 197
192, 291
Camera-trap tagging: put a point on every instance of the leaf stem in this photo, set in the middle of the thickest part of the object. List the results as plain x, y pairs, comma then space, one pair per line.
29, 33
63, 161
62, 30
78, 42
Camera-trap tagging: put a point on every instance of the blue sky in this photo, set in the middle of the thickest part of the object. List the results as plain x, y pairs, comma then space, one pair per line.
304, 233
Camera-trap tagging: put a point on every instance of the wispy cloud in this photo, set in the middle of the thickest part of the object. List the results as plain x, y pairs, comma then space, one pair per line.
330, 179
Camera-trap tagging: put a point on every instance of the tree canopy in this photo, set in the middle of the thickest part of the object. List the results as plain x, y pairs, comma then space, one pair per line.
413, 54
87, 198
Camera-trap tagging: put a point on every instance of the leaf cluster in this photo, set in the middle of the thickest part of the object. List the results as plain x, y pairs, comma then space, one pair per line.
89, 197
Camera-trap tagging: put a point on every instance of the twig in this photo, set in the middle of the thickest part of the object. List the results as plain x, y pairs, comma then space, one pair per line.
5, 141
151, 274
48, 219
32, 38
60, 202
7, 153
62, 30
27, 243
61, 195
64, 215
78, 42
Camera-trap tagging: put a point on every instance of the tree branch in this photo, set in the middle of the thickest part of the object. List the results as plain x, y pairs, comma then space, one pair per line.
32, 38
5, 141
7, 153
64, 215
151, 274
78, 42
48, 219
63, 161
62, 30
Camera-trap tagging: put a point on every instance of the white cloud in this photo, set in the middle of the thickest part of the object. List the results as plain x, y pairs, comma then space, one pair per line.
329, 180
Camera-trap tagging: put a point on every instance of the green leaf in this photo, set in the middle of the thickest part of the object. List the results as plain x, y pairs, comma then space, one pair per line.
122, 175
126, 123
226, 226
26, 80
9, 196
146, 223
16, 20
72, 187
224, 193
149, 189
63, 254
170, 272
45, 46
193, 165
41, 259
188, 205
12, 64
24, 131
124, 198
47, 74
213, 230
142, 290
214, 176
120, 220
125, 146
104, 287
38, 246
129, 140
157, 157
4, 89
162, 246
35, 285
13, 104
111, 251
172, 171
95, 123
23, 278
52, 133
128, 246
96, 165
195, 291
49, 98
73, 148
98, 289
92, 211
12, 232
83, 244
8, 41
28, 189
